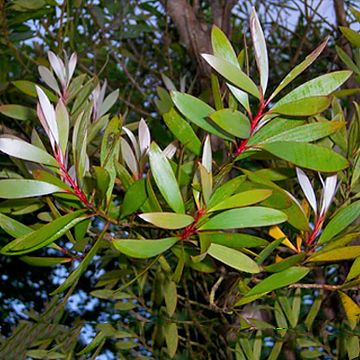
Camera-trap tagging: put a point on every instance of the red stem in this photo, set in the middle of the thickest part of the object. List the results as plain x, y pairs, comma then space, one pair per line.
190, 230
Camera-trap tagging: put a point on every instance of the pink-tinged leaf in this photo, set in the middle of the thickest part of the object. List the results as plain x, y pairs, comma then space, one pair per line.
297, 70
207, 155
307, 188
63, 123
49, 78
21, 149
129, 157
170, 150
109, 101
144, 137
49, 114
58, 67
328, 194
71, 67
260, 49
133, 142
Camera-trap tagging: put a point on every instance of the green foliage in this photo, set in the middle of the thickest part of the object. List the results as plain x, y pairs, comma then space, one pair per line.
155, 218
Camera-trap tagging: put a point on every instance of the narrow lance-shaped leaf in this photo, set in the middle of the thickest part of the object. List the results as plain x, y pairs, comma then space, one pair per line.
233, 74
197, 112
49, 78
23, 188
58, 67
306, 155
63, 123
244, 217
167, 220
307, 189
143, 249
207, 155
182, 131
21, 149
222, 47
261, 55
18, 112
232, 121
323, 85
233, 258
45, 235
297, 70
144, 137
340, 221
165, 179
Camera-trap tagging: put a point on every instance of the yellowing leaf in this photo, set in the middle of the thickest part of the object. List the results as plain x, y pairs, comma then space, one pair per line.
351, 308
276, 233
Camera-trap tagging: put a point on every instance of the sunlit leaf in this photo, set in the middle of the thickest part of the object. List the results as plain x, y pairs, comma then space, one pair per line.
143, 249
244, 217
165, 179
23, 188
18, 112
168, 220
308, 156
233, 258
351, 308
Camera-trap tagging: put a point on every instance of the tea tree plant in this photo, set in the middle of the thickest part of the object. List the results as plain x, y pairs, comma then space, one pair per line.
163, 218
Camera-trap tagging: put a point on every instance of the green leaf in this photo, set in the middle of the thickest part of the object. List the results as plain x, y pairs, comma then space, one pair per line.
197, 112
245, 217
45, 176
323, 85
265, 253
143, 249
206, 159
297, 70
165, 179
222, 47
206, 183
351, 308
242, 199
44, 354
13, 227
96, 341
260, 50
285, 264
233, 240
182, 131
170, 296
273, 128
354, 270
346, 59
233, 258
63, 123
20, 206
171, 338
18, 112
275, 281
345, 253
315, 307
134, 197
303, 107
167, 220
21, 149
280, 319
232, 121
44, 261
74, 276
226, 190
340, 221
352, 35
308, 156
45, 235
233, 74
23, 188
307, 133
28, 88
102, 180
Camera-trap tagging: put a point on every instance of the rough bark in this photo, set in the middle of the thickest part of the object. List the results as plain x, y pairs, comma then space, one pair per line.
194, 32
